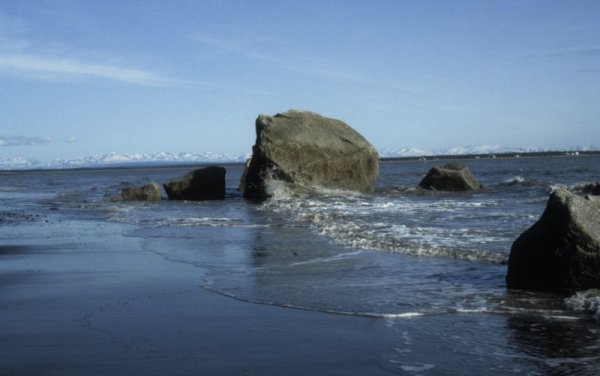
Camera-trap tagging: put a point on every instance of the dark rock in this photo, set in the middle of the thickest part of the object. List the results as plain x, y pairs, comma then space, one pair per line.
451, 177
310, 150
242, 185
591, 189
202, 184
148, 192
561, 251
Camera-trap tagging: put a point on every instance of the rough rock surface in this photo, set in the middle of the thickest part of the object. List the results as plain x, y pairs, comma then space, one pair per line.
451, 177
242, 185
561, 251
148, 192
311, 150
203, 184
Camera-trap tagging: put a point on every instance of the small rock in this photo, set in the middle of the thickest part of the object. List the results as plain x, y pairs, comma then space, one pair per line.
203, 184
148, 192
591, 189
451, 177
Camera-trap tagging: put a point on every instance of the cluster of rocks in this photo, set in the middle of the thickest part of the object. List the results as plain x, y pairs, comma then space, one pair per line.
559, 253
295, 147
202, 184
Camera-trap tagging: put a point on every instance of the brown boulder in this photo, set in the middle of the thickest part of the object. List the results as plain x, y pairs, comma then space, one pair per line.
148, 192
307, 149
451, 177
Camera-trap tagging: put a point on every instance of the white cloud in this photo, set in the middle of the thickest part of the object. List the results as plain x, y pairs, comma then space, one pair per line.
31, 141
276, 52
44, 66
23, 56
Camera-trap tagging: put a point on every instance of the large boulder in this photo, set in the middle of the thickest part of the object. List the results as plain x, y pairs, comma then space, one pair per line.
305, 148
148, 192
561, 251
203, 184
451, 177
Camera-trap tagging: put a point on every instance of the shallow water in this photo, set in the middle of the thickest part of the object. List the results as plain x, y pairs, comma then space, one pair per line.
434, 260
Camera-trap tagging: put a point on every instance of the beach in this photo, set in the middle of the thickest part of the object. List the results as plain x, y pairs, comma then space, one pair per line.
401, 282
103, 305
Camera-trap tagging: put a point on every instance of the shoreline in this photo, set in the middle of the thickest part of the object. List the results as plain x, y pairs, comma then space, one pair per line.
548, 154
141, 166
101, 288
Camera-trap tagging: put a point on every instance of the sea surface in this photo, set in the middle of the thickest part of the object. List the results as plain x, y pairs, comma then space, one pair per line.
430, 266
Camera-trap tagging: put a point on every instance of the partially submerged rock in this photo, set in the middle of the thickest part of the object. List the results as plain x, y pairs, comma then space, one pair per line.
561, 251
591, 189
451, 177
148, 192
203, 184
308, 149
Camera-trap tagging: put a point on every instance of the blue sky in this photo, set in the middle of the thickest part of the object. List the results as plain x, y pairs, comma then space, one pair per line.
90, 77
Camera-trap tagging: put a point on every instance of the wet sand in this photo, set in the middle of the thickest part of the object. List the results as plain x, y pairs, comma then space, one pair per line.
92, 301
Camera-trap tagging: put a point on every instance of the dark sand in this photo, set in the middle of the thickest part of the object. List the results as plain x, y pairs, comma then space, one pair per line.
102, 305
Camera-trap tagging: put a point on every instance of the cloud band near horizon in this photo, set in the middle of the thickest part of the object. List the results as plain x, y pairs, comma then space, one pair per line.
6, 141
43, 65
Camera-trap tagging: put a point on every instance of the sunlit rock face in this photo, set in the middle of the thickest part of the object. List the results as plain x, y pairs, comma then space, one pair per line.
307, 149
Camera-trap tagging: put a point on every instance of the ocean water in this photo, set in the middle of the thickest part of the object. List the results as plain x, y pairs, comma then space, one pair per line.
429, 266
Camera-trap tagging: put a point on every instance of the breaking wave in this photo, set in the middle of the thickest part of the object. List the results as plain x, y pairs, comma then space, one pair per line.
588, 301
387, 222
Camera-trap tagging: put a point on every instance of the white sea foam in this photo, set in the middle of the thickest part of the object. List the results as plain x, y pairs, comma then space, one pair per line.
515, 180
588, 300
473, 310
404, 315
334, 258
417, 367
413, 368
130, 216
356, 222
202, 221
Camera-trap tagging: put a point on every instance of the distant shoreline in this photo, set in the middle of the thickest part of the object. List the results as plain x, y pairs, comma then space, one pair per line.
190, 165
537, 154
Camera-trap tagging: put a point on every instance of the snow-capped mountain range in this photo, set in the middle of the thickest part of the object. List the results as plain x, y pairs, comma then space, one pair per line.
117, 159
470, 150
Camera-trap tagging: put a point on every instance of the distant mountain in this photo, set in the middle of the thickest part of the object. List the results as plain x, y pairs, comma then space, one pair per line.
469, 150
403, 152
124, 160
113, 159
19, 163
117, 160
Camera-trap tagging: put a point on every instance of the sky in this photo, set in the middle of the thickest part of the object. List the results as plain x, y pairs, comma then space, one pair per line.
83, 78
